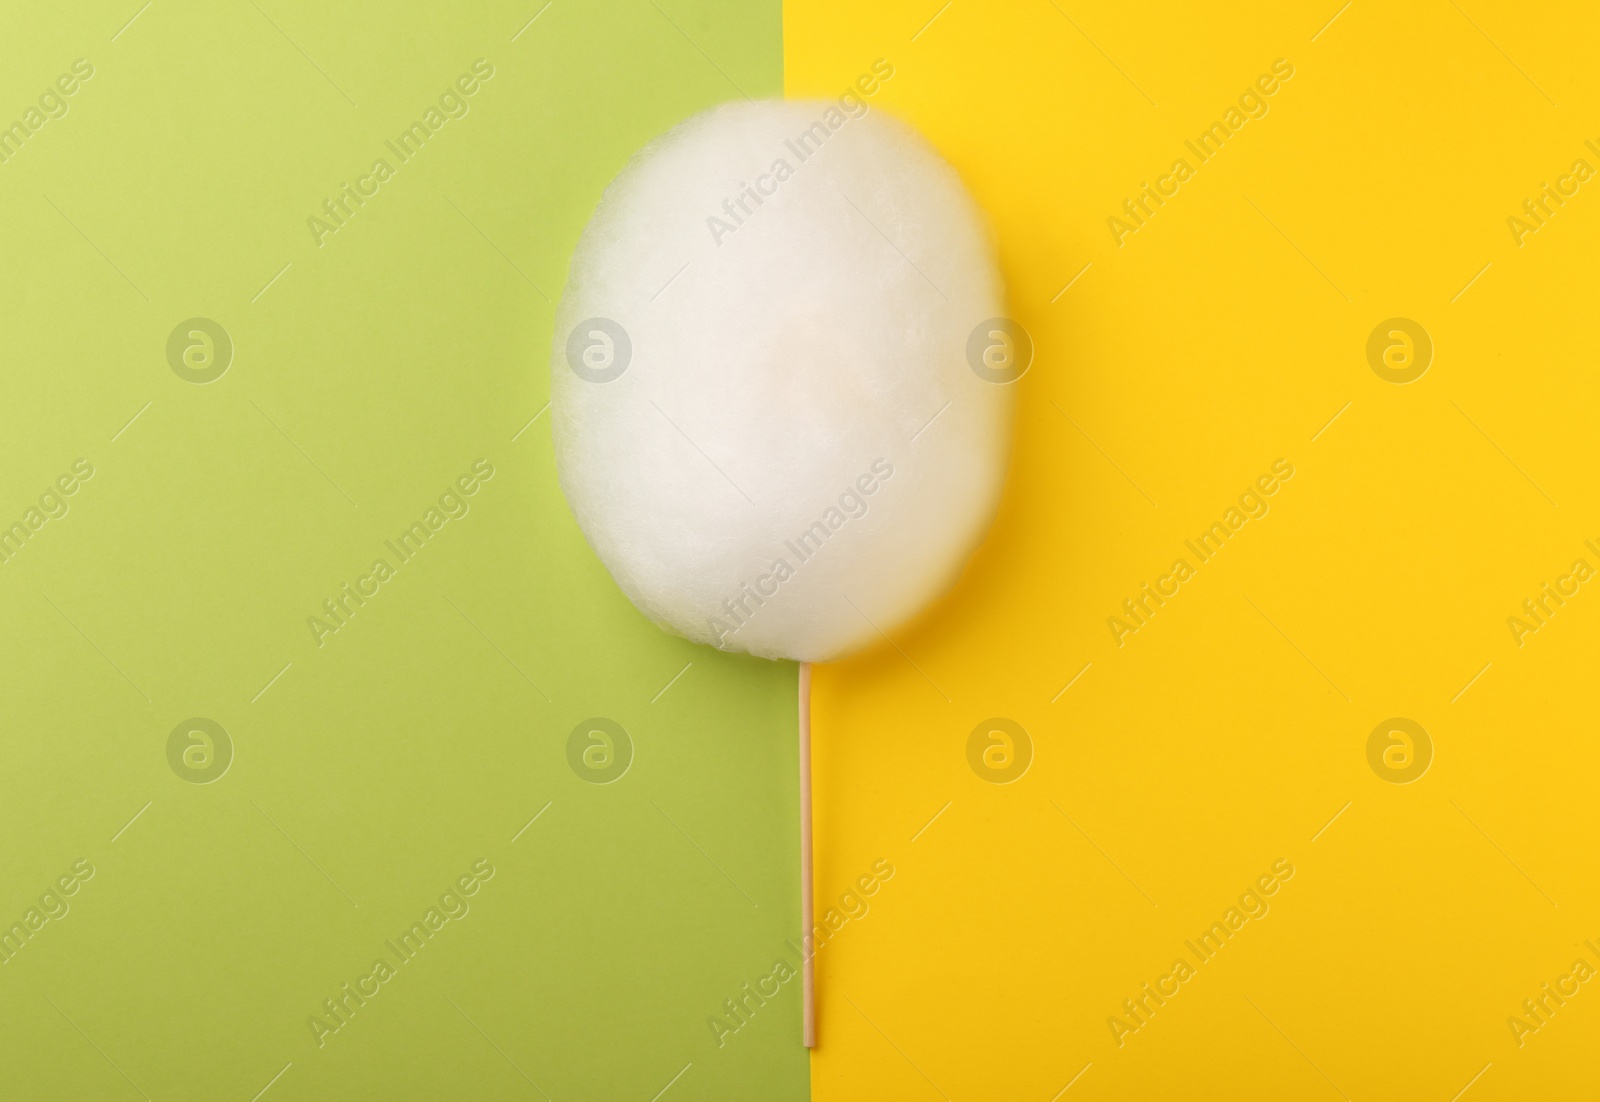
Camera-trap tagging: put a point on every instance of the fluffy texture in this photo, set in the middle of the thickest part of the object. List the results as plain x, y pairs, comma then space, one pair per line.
767, 419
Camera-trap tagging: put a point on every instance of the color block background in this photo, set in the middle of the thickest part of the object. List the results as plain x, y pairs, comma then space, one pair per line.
373, 771
1230, 731
1168, 773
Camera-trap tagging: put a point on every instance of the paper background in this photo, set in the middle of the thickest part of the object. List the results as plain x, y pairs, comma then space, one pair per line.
369, 373
1231, 728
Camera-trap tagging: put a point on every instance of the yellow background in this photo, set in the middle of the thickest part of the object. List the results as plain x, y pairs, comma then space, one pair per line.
1232, 728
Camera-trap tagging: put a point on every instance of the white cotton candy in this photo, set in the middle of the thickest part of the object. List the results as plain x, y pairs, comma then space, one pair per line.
783, 425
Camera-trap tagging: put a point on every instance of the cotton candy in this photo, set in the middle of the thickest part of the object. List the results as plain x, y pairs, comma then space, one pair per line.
781, 380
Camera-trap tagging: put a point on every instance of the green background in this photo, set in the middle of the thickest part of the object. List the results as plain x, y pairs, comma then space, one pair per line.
377, 768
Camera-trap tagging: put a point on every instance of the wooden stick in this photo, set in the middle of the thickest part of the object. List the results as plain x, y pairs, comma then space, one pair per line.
808, 976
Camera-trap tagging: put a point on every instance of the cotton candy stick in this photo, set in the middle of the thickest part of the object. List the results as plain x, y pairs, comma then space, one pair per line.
808, 977
779, 389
